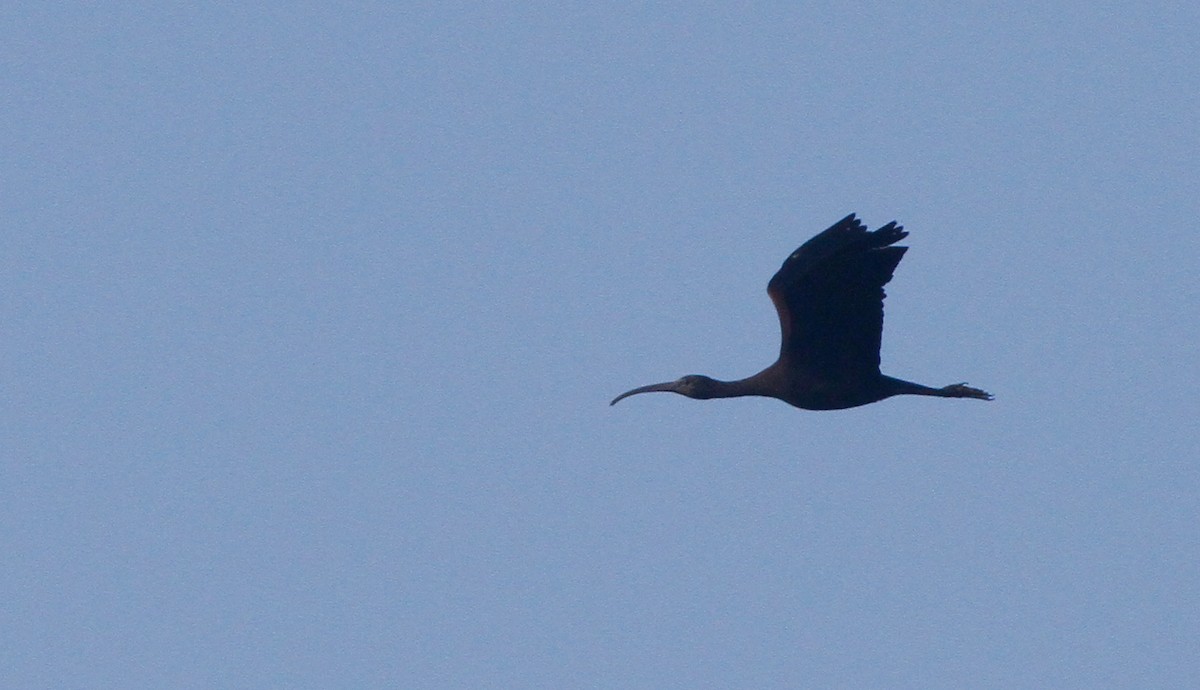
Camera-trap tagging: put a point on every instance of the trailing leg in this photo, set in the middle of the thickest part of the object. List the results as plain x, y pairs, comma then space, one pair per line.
956, 390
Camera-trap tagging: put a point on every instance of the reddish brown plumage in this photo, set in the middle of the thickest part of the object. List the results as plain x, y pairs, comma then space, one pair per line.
829, 297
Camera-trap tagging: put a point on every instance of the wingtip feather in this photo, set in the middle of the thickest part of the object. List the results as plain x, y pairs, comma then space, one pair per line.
888, 234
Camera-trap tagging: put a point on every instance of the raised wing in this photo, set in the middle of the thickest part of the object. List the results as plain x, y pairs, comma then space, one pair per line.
829, 295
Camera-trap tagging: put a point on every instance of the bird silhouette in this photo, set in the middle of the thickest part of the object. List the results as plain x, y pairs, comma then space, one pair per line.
829, 297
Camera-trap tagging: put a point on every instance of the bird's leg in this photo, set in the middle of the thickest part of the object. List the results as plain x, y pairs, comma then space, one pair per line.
894, 386
962, 390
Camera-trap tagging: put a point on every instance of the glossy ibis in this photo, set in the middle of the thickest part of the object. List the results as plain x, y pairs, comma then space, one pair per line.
829, 296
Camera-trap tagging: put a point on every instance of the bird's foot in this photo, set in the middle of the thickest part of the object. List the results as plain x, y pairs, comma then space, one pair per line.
962, 390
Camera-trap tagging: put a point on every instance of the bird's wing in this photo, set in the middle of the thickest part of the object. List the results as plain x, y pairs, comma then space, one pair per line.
829, 295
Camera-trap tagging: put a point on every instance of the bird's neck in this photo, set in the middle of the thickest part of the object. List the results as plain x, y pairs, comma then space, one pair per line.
759, 384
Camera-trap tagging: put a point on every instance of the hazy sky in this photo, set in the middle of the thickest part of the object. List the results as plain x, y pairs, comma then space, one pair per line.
311, 317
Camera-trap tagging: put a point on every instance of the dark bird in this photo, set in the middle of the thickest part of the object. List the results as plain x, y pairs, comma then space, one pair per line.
829, 296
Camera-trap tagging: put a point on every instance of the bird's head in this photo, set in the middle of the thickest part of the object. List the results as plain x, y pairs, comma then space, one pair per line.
693, 386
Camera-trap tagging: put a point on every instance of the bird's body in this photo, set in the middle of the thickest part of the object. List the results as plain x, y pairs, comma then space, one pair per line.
829, 297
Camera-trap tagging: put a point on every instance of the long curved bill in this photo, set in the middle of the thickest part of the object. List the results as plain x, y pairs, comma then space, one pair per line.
668, 387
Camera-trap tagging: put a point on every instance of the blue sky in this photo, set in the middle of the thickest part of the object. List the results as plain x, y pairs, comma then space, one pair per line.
311, 317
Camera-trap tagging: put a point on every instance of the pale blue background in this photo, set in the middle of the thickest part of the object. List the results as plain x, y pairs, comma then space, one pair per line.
311, 316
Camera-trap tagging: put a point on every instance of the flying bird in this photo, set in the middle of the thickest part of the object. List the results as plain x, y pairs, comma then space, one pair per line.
829, 297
